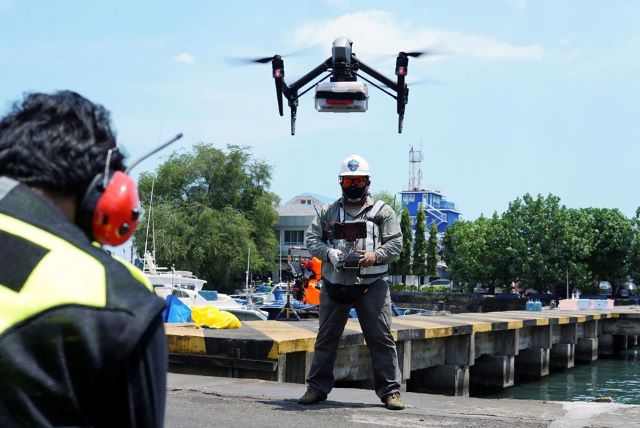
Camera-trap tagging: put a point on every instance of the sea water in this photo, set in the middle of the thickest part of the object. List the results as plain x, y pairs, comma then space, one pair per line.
617, 377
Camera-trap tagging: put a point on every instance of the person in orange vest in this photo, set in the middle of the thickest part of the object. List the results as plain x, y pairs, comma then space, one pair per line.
311, 294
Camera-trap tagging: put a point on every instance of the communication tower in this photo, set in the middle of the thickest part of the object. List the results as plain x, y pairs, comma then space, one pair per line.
415, 169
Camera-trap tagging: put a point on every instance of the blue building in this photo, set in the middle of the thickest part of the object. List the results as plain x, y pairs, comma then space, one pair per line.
435, 205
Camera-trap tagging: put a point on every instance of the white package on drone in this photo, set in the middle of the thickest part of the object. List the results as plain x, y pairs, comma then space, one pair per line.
342, 97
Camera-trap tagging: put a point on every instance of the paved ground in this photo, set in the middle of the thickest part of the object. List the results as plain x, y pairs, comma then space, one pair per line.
203, 401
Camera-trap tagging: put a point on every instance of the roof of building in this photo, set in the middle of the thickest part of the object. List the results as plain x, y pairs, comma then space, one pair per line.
301, 205
296, 210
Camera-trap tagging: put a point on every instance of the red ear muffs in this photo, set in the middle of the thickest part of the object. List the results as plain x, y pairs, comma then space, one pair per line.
109, 215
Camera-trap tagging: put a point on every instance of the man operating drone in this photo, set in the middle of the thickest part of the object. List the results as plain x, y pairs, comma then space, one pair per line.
356, 237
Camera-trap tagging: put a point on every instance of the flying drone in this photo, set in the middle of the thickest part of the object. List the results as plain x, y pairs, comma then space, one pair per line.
343, 93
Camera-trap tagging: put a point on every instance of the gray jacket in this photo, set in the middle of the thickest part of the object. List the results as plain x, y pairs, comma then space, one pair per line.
387, 246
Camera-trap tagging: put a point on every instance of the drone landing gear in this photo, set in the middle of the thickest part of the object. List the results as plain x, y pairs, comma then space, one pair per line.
293, 119
287, 312
400, 120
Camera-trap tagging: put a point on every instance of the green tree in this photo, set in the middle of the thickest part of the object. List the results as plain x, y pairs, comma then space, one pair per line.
539, 228
611, 235
469, 249
460, 251
432, 251
402, 266
210, 207
390, 199
420, 244
633, 255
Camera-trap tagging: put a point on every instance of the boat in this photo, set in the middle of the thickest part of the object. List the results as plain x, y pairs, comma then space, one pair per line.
188, 288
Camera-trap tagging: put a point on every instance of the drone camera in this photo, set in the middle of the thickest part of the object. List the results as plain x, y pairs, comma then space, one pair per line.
341, 50
342, 97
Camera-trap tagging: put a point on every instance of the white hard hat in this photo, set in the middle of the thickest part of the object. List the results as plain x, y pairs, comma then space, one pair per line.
354, 165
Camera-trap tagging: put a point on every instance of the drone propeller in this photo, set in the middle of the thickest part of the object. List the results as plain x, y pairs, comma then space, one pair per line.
416, 54
242, 61
421, 82
427, 52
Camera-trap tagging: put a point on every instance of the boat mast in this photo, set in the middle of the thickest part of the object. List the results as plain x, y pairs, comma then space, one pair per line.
246, 281
146, 238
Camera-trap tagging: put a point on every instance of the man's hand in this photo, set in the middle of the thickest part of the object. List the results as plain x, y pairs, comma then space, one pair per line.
334, 255
368, 258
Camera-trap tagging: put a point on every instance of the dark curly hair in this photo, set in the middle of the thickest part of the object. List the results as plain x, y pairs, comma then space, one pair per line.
58, 142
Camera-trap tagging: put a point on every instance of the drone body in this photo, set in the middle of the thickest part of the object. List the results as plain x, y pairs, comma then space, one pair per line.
343, 93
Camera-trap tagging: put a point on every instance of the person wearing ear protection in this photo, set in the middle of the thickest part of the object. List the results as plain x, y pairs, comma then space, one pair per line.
81, 333
361, 284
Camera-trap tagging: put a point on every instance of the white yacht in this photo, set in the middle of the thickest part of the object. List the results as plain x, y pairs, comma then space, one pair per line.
188, 289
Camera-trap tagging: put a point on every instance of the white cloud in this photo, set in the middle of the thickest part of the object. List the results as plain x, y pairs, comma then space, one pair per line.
184, 58
379, 31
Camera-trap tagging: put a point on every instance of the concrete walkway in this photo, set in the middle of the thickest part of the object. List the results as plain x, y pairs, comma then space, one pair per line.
204, 401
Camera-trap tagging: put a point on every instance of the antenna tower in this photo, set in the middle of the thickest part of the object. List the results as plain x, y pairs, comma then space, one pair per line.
415, 169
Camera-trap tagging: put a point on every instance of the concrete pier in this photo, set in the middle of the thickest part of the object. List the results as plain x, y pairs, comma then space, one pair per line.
533, 362
443, 354
562, 356
493, 371
587, 350
605, 344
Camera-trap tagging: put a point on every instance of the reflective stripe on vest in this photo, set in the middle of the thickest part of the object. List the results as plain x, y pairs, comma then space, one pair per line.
65, 275
133, 270
373, 231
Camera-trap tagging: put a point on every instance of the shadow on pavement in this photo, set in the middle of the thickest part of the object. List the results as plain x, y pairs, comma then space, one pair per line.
292, 405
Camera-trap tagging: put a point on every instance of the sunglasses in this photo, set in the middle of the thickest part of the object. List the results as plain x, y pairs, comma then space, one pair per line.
355, 181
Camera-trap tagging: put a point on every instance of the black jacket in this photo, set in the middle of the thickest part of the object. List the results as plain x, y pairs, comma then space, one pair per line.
81, 335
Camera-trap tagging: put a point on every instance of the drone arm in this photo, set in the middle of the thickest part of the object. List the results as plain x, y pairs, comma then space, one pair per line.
279, 86
399, 87
291, 91
277, 66
311, 75
376, 75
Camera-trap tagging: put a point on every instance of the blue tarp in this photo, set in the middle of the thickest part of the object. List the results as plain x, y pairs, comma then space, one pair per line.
176, 311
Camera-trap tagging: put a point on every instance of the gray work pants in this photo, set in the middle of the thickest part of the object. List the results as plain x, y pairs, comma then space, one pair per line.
374, 315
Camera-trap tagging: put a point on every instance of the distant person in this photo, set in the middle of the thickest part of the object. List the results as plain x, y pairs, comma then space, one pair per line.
365, 287
81, 334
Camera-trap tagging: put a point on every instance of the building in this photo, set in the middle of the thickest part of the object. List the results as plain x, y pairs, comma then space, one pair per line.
295, 216
435, 205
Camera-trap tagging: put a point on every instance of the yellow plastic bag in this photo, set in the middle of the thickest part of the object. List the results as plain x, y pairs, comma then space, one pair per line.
212, 317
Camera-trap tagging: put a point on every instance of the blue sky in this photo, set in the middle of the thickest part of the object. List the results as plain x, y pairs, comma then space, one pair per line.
532, 97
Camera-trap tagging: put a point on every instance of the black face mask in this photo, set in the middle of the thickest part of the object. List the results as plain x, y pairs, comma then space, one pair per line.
354, 194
